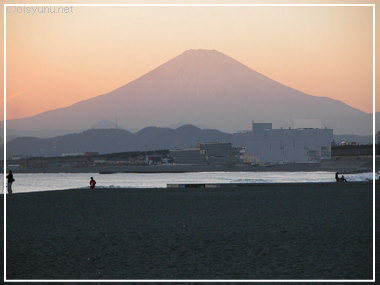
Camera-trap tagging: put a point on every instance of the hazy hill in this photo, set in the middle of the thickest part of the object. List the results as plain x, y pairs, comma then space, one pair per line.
47, 133
204, 87
114, 140
101, 140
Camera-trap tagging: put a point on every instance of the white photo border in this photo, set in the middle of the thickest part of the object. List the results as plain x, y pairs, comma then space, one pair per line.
199, 5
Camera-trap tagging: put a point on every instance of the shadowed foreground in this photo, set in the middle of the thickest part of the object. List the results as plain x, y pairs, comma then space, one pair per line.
277, 231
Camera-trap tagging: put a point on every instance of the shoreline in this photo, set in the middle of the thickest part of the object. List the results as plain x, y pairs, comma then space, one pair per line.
189, 186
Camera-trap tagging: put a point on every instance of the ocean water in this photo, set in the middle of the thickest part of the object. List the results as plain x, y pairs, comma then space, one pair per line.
34, 182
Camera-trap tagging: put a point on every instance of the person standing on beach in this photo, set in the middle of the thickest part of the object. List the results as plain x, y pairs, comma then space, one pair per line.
10, 180
92, 183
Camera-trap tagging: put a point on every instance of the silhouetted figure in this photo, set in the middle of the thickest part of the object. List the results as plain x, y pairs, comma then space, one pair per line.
339, 179
92, 183
10, 180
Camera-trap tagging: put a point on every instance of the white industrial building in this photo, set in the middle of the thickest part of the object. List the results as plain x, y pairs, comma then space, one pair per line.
267, 145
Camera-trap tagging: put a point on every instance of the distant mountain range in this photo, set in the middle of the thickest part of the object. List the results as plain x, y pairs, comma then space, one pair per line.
114, 140
50, 133
203, 87
118, 140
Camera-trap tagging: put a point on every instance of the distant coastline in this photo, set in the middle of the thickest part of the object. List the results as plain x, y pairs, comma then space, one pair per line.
347, 165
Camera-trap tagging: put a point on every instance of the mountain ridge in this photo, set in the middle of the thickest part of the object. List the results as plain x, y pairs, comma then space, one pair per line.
206, 88
113, 140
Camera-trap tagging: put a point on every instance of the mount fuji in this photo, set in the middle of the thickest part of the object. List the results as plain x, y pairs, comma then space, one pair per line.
202, 87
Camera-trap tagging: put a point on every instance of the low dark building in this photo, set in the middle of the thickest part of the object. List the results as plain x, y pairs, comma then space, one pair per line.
208, 153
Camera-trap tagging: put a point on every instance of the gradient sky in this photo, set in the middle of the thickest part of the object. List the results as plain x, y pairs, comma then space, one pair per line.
55, 60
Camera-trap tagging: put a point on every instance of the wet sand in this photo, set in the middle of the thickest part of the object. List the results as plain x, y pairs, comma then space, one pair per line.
276, 231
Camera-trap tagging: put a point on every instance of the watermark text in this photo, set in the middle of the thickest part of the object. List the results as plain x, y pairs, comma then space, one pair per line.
34, 10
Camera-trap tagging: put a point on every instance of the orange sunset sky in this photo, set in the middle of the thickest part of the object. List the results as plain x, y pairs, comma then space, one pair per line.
55, 60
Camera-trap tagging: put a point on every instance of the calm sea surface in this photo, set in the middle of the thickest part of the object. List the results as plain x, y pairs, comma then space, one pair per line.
59, 181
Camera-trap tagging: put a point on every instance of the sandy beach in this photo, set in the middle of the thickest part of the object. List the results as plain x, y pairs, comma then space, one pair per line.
274, 231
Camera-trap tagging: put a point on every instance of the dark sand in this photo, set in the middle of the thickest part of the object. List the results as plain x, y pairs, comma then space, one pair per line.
294, 231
